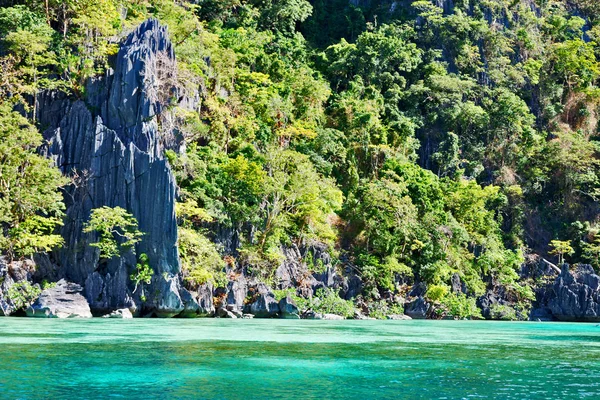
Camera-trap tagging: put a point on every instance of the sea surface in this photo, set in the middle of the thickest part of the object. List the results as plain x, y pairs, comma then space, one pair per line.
297, 359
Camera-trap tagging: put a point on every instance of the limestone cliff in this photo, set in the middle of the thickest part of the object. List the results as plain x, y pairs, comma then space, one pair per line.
112, 145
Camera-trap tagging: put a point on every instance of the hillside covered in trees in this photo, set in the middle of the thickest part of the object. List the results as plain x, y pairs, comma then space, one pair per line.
353, 157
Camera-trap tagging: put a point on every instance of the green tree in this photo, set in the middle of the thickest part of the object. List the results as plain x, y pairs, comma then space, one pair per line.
117, 230
390, 217
282, 15
142, 275
575, 61
297, 200
560, 248
591, 249
27, 38
22, 294
31, 205
200, 260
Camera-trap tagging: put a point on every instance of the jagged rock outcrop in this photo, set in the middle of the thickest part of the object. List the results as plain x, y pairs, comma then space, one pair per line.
293, 272
236, 294
488, 302
458, 286
576, 295
417, 308
6, 281
265, 306
288, 308
64, 300
112, 145
204, 298
351, 285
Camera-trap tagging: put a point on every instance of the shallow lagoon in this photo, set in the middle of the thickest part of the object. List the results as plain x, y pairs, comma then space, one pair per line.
297, 359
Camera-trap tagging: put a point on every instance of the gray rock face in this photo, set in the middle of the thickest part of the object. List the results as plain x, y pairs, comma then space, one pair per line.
576, 295
191, 308
108, 291
65, 300
418, 290
293, 272
265, 306
325, 279
113, 147
417, 309
541, 314
457, 285
288, 308
206, 306
351, 286
310, 314
165, 296
236, 293
488, 301
6, 281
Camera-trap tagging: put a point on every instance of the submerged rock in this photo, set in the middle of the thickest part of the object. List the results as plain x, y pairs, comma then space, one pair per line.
65, 300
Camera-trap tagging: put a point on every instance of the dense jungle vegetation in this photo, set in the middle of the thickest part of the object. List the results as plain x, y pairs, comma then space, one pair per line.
417, 139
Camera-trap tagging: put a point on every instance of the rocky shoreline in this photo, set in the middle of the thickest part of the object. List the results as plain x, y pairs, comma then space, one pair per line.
571, 295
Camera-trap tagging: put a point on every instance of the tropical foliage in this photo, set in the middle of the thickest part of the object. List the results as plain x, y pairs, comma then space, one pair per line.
416, 141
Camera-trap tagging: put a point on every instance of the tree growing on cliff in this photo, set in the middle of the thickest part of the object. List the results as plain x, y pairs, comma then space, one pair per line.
116, 228
560, 248
142, 274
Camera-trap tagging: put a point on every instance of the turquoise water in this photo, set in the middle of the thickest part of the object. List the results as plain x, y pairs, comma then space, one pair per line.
283, 359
